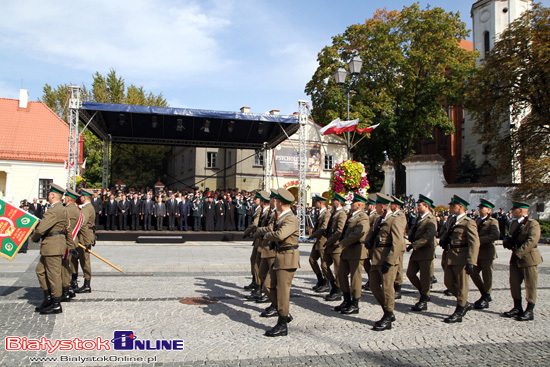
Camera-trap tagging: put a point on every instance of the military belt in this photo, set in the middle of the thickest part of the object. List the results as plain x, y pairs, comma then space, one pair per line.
459, 246
279, 249
55, 233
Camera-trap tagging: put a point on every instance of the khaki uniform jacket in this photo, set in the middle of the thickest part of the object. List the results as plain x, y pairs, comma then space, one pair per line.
335, 232
54, 220
464, 232
424, 238
286, 235
528, 253
390, 237
265, 252
488, 233
372, 217
263, 219
86, 236
358, 228
320, 226
255, 222
73, 214
401, 244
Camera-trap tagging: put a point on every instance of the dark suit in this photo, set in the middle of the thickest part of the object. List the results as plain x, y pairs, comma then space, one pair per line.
240, 211
123, 205
97, 203
147, 211
135, 210
171, 210
36, 210
159, 211
111, 210
184, 209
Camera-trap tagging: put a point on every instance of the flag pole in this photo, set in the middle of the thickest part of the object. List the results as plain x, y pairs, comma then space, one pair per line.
102, 259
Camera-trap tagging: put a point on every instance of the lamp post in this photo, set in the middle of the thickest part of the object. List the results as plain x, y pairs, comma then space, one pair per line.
340, 76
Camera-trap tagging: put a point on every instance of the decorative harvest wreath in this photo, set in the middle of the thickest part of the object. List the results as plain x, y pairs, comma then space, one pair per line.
348, 177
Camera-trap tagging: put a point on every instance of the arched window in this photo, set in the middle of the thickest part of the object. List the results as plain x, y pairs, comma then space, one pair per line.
486, 42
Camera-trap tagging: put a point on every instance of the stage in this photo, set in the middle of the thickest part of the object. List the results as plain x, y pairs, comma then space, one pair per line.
155, 236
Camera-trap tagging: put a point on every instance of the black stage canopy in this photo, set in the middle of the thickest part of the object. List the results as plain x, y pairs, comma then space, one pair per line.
186, 127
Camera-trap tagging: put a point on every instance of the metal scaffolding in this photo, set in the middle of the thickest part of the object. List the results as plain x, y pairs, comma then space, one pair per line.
301, 211
72, 161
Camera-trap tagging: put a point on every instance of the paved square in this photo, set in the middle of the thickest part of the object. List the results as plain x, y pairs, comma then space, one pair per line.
230, 331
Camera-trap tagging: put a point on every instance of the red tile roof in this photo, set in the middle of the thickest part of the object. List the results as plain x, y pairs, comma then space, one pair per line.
34, 133
467, 45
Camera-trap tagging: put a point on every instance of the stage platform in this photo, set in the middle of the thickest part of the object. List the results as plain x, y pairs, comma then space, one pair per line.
154, 236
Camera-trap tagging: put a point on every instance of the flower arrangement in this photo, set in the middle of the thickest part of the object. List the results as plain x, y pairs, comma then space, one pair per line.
348, 177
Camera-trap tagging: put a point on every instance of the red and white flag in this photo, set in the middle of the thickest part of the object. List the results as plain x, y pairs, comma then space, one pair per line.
84, 164
66, 164
367, 130
339, 127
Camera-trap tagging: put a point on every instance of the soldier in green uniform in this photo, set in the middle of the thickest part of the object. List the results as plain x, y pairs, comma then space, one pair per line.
371, 212
261, 200
74, 224
488, 231
51, 231
461, 248
384, 243
335, 228
522, 239
353, 254
318, 248
396, 206
284, 238
423, 242
86, 237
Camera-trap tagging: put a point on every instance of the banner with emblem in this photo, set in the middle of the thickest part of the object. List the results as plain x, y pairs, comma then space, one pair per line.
15, 227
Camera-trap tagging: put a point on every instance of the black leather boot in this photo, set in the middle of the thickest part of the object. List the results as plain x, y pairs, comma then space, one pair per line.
263, 298
483, 302
320, 282
53, 308
280, 329
528, 315
516, 311
422, 304
65, 296
256, 293
324, 287
456, 316
434, 279
385, 322
251, 285
335, 293
74, 281
397, 288
352, 308
366, 286
46, 302
448, 293
271, 311
85, 288
345, 304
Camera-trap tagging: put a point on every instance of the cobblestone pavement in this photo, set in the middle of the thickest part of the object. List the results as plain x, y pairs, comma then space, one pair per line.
230, 331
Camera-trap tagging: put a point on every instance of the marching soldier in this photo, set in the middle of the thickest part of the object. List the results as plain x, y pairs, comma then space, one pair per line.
261, 200
75, 219
522, 239
284, 239
353, 254
333, 251
318, 248
51, 231
423, 242
86, 237
396, 206
461, 247
371, 212
384, 243
488, 231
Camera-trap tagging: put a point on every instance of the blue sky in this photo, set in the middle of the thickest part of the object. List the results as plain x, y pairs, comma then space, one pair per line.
213, 54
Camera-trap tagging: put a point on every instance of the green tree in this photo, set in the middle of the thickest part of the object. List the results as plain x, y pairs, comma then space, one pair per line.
136, 165
412, 64
510, 100
466, 170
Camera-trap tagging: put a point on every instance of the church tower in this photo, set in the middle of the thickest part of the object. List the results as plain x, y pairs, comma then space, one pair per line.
489, 19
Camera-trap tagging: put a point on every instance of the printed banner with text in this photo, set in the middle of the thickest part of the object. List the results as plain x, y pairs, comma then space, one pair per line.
15, 226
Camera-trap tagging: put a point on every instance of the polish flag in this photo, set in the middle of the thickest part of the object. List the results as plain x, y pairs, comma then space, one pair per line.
332, 125
367, 130
339, 127
66, 164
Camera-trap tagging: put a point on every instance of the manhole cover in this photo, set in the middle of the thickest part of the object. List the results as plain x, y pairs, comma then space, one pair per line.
199, 300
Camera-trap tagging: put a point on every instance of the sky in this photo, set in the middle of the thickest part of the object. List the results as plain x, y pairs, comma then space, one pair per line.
210, 54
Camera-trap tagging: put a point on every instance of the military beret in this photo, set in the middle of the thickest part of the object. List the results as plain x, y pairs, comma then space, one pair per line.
57, 189
383, 199
519, 204
425, 199
397, 201
285, 196
458, 200
358, 198
86, 192
486, 203
72, 194
339, 197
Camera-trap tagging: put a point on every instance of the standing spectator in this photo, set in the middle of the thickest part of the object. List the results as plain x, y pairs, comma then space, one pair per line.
184, 211
159, 211
220, 214
209, 215
197, 214
135, 210
171, 211
97, 203
147, 211
35, 209
123, 208
111, 212
240, 211
229, 224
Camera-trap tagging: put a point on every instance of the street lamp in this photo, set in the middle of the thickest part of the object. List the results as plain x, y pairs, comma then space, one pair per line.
340, 76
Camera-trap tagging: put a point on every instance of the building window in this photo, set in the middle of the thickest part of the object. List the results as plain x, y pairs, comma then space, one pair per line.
259, 158
329, 162
44, 187
211, 160
486, 42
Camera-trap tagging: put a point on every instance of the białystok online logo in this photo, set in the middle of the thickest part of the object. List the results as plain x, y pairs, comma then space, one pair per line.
122, 340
